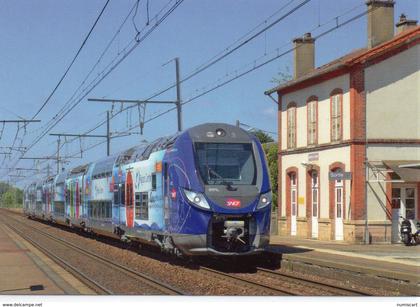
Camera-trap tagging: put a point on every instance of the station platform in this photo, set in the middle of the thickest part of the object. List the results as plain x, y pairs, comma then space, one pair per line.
26, 270
393, 266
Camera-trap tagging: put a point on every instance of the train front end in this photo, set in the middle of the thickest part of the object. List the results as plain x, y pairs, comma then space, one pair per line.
219, 192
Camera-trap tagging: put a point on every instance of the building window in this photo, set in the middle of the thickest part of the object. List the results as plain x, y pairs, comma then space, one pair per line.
291, 126
142, 205
312, 109
336, 116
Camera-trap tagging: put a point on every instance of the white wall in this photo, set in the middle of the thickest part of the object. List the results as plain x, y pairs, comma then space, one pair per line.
326, 158
322, 91
393, 96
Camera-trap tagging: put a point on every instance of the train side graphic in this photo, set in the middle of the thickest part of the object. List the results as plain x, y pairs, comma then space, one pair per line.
204, 191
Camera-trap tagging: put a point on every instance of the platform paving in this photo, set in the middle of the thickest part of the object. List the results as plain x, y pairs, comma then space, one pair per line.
25, 270
394, 266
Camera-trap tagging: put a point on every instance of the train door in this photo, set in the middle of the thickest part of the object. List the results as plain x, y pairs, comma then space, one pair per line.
77, 199
129, 200
293, 199
339, 209
47, 199
165, 193
315, 202
72, 199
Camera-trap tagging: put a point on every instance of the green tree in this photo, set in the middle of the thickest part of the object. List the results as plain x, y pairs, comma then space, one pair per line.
262, 136
10, 196
283, 76
8, 199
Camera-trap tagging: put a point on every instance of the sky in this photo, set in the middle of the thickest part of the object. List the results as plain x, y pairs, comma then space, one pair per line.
38, 40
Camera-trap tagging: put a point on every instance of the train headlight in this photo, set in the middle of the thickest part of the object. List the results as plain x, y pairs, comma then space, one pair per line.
220, 132
197, 199
265, 200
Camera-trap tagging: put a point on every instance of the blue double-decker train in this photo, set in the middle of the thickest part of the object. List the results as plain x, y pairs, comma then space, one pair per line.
204, 191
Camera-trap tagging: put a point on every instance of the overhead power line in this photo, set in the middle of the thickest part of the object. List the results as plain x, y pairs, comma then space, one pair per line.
328, 31
220, 56
255, 67
72, 62
122, 56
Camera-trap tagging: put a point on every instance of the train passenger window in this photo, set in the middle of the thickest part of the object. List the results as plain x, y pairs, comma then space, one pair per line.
142, 206
108, 210
154, 182
122, 194
116, 200
137, 205
103, 210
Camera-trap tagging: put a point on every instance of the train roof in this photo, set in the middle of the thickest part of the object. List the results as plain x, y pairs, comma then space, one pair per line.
204, 132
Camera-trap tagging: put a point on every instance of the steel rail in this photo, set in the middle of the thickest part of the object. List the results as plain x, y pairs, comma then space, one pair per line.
150, 281
246, 282
313, 284
91, 283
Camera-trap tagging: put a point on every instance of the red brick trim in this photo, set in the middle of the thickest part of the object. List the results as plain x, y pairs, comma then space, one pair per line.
395, 141
314, 80
331, 187
310, 99
290, 171
327, 146
279, 160
388, 49
358, 146
339, 92
309, 197
372, 56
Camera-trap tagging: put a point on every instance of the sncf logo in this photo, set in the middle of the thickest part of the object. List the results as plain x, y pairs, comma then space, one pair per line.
231, 202
173, 194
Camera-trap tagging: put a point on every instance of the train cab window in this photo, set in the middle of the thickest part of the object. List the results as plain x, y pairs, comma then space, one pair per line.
154, 182
221, 163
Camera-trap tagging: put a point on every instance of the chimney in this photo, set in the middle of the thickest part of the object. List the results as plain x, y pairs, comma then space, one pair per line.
380, 21
304, 55
405, 24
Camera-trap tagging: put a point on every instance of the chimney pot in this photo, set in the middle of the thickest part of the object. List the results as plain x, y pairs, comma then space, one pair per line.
404, 24
304, 55
380, 21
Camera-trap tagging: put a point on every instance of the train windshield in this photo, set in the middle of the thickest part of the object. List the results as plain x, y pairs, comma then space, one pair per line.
221, 163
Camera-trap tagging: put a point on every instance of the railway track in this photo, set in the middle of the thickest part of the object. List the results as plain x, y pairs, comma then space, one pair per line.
265, 281
246, 282
323, 286
157, 287
287, 279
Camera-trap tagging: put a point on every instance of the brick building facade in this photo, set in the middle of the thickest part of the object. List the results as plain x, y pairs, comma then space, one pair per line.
349, 136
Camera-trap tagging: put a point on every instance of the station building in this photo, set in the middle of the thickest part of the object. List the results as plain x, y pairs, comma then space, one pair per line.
349, 136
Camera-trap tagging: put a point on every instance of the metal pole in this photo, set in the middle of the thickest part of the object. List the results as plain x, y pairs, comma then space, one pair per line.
108, 137
178, 95
367, 237
238, 123
58, 155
